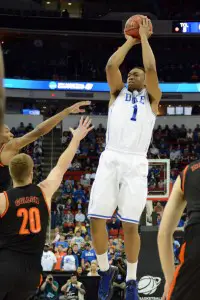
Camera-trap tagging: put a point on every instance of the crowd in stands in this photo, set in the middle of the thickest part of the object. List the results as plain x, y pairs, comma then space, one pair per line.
34, 150
181, 9
69, 59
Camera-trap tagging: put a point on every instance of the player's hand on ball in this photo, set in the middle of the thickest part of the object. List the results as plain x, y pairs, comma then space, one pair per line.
83, 128
77, 107
145, 27
130, 38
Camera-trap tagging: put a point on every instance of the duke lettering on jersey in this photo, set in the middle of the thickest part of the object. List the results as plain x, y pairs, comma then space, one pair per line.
130, 123
133, 99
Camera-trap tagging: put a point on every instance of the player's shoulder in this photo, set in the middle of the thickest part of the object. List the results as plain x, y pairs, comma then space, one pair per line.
193, 166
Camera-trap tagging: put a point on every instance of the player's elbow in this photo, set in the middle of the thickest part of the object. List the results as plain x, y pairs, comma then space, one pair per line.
110, 66
150, 67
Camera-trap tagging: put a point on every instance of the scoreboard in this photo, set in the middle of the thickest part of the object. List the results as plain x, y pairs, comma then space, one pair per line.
186, 27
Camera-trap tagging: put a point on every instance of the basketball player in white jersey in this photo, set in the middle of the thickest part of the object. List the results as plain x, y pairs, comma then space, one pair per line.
121, 179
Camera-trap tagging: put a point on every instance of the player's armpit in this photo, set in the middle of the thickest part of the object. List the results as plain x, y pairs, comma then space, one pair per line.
152, 86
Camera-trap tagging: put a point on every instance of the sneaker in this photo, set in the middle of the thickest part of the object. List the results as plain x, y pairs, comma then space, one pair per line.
106, 283
131, 290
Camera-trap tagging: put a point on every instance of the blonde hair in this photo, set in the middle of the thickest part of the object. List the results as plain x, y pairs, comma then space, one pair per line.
20, 167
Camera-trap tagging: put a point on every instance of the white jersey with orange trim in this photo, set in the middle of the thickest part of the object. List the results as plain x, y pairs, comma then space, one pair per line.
130, 123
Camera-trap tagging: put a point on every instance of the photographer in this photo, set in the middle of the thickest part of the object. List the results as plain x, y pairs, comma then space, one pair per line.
73, 289
120, 281
49, 289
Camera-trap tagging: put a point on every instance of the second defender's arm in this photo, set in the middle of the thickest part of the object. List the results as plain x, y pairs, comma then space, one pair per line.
113, 73
44, 128
149, 62
54, 179
172, 214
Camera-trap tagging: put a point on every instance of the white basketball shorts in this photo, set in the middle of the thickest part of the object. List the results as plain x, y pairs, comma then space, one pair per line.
121, 181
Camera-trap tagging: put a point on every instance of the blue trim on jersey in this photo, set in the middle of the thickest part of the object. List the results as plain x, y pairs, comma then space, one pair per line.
128, 220
99, 216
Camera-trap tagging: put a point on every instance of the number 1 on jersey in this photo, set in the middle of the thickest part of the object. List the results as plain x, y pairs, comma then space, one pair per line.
135, 109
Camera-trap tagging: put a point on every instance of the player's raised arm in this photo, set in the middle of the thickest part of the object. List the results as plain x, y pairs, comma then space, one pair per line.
2, 89
113, 73
149, 62
45, 127
172, 214
54, 179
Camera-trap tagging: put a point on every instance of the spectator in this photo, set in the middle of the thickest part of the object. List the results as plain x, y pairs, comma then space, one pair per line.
88, 255
69, 261
189, 135
48, 259
80, 227
78, 193
159, 218
79, 271
49, 289
114, 224
62, 242
68, 219
59, 256
93, 271
70, 236
21, 129
29, 127
182, 132
57, 235
73, 289
159, 208
77, 252
176, 248
78, 239
80, 217
37, 150
69, 189
87, 267
76, 165
69, 206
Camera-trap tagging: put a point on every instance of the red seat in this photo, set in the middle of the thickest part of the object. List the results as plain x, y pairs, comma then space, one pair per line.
121, 232
113, 232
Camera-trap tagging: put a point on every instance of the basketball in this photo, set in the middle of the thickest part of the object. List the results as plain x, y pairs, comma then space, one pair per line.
132, 26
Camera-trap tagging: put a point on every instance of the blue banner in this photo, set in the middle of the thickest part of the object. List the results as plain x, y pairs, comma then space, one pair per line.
90, 86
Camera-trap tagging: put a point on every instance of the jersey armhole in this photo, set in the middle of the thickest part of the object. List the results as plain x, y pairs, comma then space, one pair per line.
45, 199
149, 97
183, 176
7, 205
117, 94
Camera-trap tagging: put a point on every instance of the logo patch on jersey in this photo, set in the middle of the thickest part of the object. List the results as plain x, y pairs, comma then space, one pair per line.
133, 99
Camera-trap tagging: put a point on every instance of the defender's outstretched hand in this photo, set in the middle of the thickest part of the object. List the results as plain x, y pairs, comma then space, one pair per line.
76, 108
145, 27
83, 128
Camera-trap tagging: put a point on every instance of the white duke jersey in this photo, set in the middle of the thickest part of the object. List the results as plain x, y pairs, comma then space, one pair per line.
130, 123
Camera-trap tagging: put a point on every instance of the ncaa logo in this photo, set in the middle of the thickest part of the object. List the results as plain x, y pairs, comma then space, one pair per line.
88, 86
52, 85
148, 285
